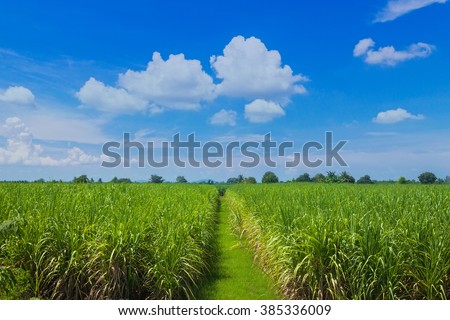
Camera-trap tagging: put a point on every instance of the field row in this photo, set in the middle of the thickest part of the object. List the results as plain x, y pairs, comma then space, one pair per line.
349, 242
143, 241
64, 241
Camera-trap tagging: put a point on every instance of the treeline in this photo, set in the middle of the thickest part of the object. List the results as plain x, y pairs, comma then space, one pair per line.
343, 177
269, 177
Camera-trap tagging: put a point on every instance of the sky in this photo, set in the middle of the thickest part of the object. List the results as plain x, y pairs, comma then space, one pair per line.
74, 76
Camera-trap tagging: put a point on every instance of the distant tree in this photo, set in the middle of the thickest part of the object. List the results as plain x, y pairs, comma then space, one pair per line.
447, 179
41, 180
92, 180
232, 181
303, 178
121, 180
181, 179
318, 178
427, 178
250, 180
156, 179
331, 177
100, 180
240, 178
365, 180
345, 177
81, 179
269, 177
402, 180
440, 181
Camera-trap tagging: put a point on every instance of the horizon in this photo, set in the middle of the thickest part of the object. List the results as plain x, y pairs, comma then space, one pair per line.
440, 180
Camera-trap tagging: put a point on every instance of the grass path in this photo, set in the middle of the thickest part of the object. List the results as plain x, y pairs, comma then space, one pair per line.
235, 276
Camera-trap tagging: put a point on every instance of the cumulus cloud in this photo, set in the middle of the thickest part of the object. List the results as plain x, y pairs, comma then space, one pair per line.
389, 56
17, 95
394, 116
20, 148
397, 8
224, 117
261, 111
51, 124
176, 83
97, 95
363, 46
249, 70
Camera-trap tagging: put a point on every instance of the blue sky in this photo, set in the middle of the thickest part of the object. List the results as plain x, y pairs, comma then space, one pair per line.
74, 76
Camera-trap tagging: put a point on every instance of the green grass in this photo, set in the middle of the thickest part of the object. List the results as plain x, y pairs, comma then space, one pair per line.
320, 241
235, 276
66, 241
143, 241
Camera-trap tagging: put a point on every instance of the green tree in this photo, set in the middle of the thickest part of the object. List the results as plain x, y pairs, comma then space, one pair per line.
402, 180
154, 178
232, 181
121, 180
331, 177
365, 180
345, 177
250, 180
181, 179
427, 178
303, 178
240, 178
269, 177
318, 178
81, 179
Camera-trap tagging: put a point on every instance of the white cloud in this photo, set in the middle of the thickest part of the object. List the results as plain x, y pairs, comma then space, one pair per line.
51, 125
17, 95
381, 134
389, 56
362, 47
249, 70
50, 120
176, 83
20, 148
97, 95
224, 117
261, 111
394, 116
397, 8
232, 137
76, 156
